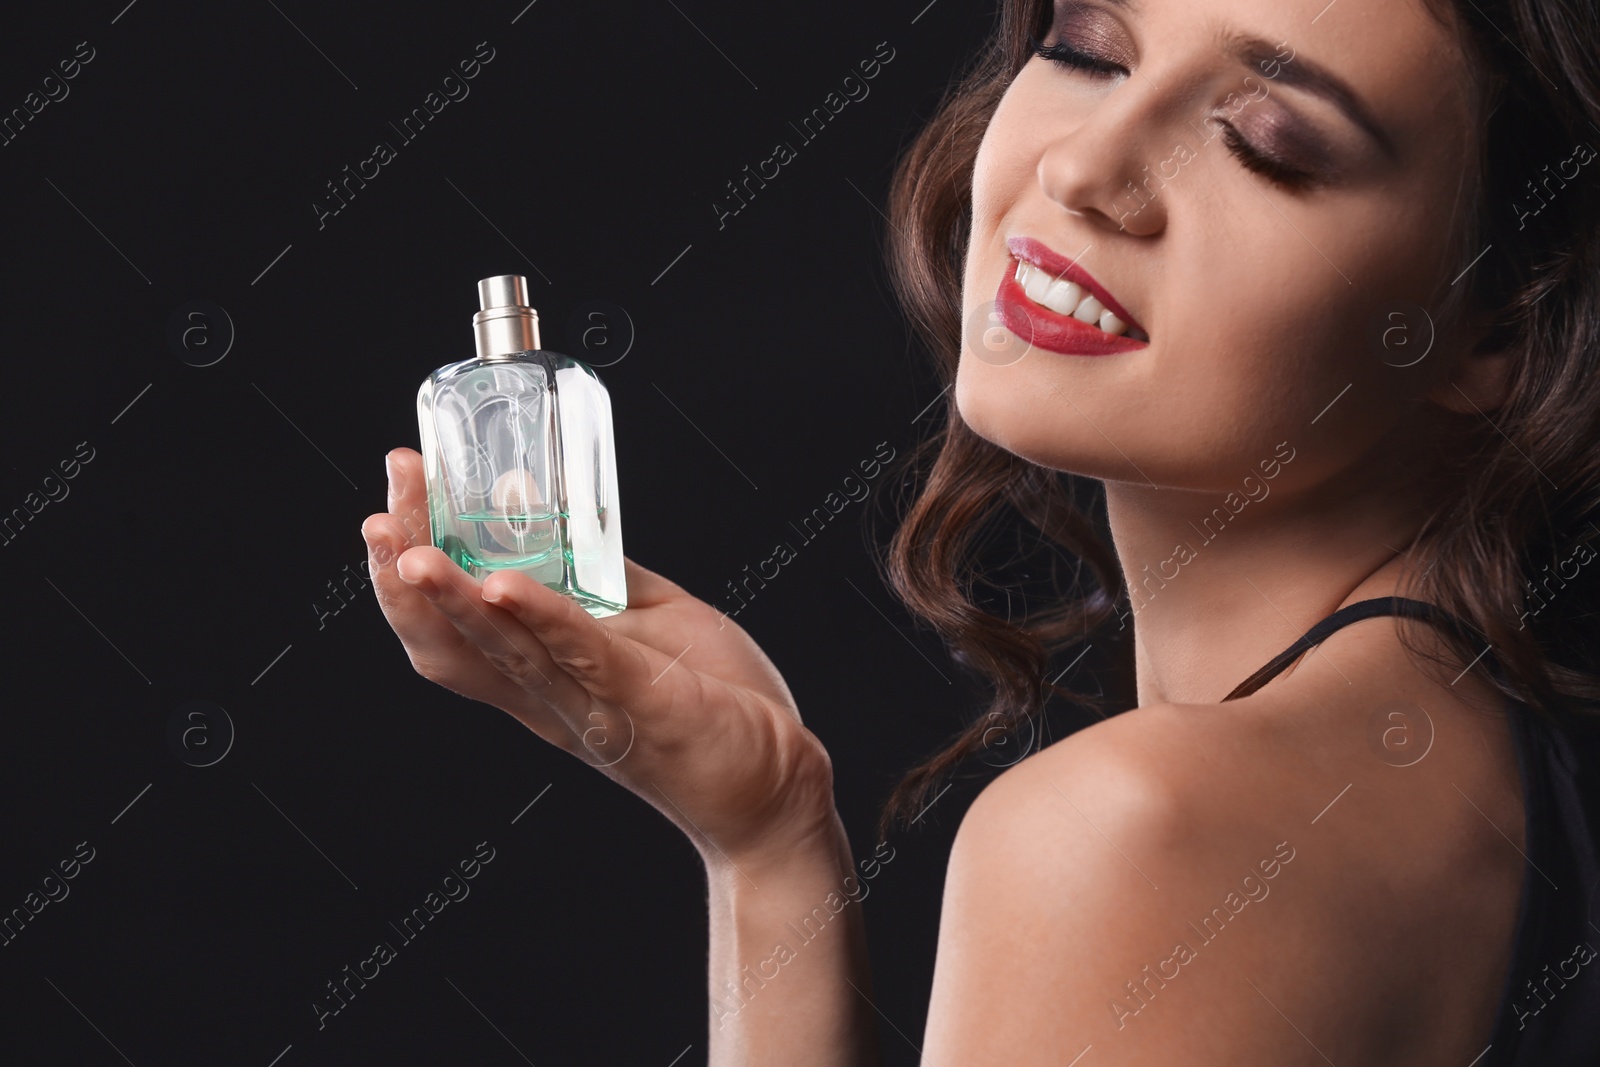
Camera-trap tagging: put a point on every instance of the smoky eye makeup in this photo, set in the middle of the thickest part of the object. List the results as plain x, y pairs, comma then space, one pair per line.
1091, 30
1098, 36
1291, 145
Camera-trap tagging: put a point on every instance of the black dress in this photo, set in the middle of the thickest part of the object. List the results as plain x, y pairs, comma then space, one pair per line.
1549, 1012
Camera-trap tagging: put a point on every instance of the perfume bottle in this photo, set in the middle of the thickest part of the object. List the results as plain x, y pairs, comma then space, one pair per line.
520, 461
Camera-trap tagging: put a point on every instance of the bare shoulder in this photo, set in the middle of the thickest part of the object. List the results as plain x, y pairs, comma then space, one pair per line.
1158, 775
1128, 767
1072, 888
1257, 881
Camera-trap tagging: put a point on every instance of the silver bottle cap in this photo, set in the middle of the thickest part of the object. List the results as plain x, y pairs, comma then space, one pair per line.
506, 324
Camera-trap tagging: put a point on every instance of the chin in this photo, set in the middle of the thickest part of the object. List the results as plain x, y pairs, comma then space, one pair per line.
1005, 409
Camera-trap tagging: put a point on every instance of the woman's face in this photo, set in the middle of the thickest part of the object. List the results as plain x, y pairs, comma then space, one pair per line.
1271, 214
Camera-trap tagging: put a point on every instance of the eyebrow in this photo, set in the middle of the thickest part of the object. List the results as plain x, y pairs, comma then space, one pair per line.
1250, 50
1303, 74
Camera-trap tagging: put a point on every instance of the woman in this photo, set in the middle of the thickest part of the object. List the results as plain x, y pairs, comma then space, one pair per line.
1310, 292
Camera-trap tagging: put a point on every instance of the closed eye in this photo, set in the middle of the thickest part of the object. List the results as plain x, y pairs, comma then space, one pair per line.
1072, 58
1274, 170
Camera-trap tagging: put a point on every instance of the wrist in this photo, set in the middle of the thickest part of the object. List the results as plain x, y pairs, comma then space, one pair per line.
820, 847
789, 977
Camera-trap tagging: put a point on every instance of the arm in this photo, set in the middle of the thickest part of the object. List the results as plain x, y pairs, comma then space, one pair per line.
675, 702
788, 956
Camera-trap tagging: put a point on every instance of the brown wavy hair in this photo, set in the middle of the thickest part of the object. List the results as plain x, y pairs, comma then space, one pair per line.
1528, 473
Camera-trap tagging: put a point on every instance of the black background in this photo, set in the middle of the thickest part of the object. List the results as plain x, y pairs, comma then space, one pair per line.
192, 558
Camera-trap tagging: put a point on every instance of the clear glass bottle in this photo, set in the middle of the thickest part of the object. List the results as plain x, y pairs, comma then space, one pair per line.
520, 461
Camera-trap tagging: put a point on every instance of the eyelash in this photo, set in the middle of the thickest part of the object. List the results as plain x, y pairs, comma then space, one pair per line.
1067, 56
1275, 171
1063, 54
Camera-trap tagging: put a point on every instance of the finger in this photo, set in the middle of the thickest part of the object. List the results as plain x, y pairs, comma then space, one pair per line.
430, 640
388, 534
408, 495
386, 539
502, 639
609, 666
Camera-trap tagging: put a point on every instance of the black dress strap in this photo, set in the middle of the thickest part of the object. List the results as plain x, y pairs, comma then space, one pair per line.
1361, 609
1549, 1004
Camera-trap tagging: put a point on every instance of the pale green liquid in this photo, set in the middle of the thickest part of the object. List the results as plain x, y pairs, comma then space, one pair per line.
506, 540
511, 540
535, 549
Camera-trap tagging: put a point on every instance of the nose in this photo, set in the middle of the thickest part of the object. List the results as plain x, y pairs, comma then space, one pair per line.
1103, 168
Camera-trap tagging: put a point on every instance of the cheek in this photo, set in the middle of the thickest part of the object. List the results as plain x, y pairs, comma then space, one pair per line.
998, 183
1269, 320
1005, 170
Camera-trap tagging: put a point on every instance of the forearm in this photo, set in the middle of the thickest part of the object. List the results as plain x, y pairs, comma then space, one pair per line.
789, 975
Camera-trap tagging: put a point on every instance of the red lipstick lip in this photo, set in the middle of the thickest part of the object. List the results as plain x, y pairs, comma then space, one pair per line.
1050, 330
1059, 266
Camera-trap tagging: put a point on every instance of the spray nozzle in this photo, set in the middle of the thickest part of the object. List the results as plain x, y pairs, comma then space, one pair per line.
505, 324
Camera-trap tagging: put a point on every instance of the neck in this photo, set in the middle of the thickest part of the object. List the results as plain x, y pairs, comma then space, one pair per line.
1220, 582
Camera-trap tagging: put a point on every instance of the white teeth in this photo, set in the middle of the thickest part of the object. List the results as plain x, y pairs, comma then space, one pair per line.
1069, 298
1063, 296
1034, 283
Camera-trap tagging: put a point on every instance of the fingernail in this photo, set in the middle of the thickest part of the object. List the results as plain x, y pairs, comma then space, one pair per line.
397, 482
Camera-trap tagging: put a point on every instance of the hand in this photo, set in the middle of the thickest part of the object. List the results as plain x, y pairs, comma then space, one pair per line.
670, 698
